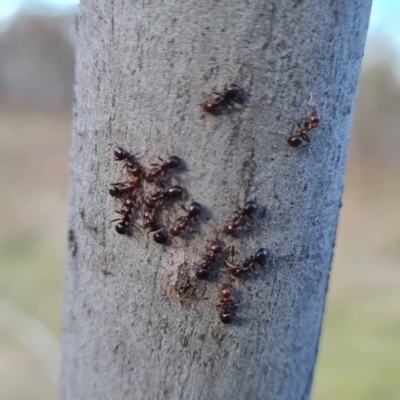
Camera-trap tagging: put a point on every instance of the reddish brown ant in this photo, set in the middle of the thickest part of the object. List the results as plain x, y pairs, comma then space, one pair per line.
123, 189
301, 137
249, 264
226, 304
231, 94
131, 164
174, 192
182, 222
126, 211
149, 214
149, 221
171, 163
238, 221
203, 270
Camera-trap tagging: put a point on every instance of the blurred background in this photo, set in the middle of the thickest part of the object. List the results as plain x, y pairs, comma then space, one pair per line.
359, 356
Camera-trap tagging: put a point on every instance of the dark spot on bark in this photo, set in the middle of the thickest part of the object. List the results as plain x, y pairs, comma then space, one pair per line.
93, 229
297, 3
106, 272
72, 243
187, 288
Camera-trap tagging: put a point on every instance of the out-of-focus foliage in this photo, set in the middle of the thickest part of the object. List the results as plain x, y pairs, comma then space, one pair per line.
37, 62
376, 124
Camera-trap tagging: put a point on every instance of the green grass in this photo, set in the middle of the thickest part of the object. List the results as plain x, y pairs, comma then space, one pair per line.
31, 278
359, 356
33, 168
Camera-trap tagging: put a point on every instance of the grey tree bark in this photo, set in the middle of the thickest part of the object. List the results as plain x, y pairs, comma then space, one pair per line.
137, 325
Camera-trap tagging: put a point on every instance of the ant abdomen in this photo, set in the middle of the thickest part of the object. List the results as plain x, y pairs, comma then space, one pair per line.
160, 237
203, 270
226, 317
202, 273
261, 256
295, 141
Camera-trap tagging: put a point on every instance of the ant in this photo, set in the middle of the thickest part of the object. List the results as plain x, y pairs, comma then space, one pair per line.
231, 94
203, 271
249, 264
226, 303
183, 222
238, 221
172, 163
121, 189
301, 137
131, 164
174, 192
126, 211
149, 221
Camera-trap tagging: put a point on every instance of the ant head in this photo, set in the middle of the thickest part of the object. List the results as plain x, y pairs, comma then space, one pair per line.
217, 246
136, 170
213, 108
174, 231
229, 229
130, 202
314, 117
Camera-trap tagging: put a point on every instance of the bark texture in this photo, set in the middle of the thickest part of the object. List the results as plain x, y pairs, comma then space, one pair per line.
145, 329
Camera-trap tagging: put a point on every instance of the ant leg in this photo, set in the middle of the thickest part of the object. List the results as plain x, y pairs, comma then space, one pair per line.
247, 82
207, 83
279, 132
310, 98
240, 66
294, 120
305, 137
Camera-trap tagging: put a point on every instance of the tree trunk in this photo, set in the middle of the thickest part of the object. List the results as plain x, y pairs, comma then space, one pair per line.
138, 325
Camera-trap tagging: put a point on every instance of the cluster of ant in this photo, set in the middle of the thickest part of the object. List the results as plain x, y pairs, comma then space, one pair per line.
133, 193
216, 249
233, 96
136, 199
